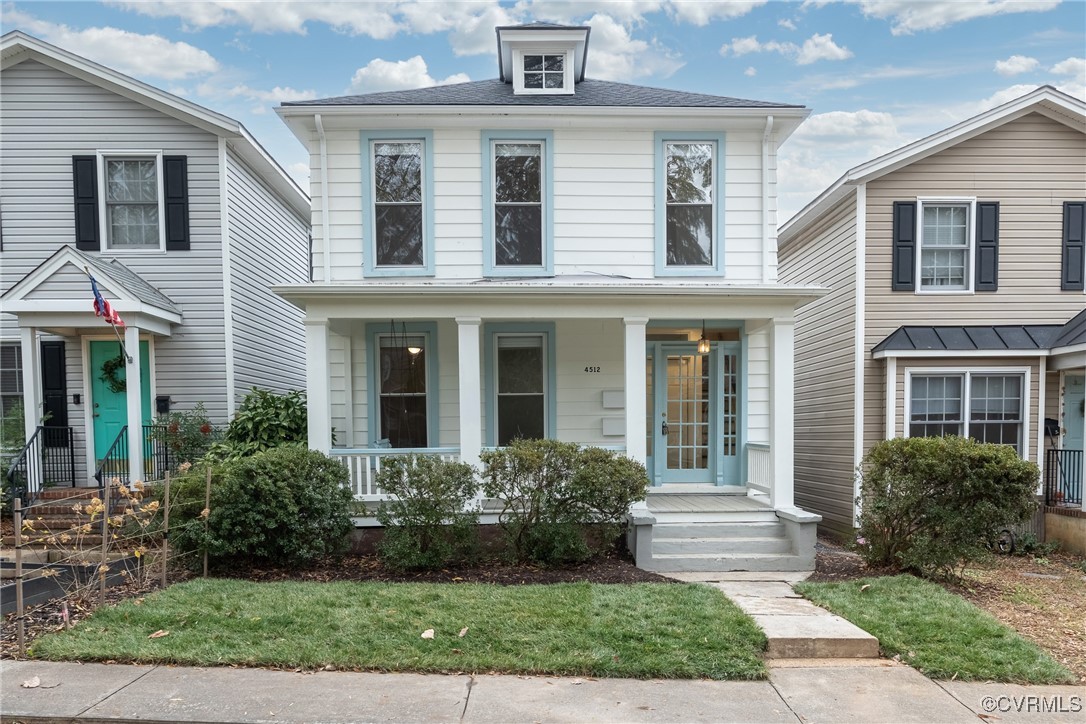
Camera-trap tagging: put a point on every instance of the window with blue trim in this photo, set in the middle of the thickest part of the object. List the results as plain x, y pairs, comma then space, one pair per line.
403, 384
520, 382
397, 176
517, 170
689, 213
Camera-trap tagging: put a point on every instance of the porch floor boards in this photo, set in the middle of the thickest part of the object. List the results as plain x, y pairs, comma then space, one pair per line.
705, 503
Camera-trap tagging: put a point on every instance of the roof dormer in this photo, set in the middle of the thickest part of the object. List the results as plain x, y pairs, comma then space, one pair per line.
542, 59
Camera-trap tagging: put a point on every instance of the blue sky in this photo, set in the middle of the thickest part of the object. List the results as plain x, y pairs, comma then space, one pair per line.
876, 73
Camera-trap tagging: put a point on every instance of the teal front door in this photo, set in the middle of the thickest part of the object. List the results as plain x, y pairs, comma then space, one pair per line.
109, 411
694, 413
1074, 392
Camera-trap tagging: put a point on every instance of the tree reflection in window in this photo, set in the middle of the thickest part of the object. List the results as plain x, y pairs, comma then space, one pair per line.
397, 182
518, 204
689, 214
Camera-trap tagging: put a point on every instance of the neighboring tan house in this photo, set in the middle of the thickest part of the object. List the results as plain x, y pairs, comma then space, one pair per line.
548, 256
956, 269
185, 222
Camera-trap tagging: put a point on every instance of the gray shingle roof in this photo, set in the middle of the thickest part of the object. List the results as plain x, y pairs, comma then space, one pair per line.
132, 281
589, 93
1011, 337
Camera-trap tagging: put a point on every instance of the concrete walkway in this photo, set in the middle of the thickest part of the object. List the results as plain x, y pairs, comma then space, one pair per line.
797, 691
794, 627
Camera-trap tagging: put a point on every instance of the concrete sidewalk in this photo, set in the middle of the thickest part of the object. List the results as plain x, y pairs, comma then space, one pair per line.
808, 691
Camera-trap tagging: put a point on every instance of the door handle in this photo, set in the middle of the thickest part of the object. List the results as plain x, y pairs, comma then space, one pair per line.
663, 428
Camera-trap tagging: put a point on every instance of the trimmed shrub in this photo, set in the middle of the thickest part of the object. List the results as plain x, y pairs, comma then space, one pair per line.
929, 504
264, 421
430, 522
551, 492
288, 506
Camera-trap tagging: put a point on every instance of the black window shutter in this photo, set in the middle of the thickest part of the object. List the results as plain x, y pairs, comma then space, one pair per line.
85, 185
175, 173
1074, 240
987, 250
54, 388
904, 261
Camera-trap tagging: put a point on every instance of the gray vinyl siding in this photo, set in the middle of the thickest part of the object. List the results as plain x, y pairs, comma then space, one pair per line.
1031, 166
269, 244
49, 116
825, 338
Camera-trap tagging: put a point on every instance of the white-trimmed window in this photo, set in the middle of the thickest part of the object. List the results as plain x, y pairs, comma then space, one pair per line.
132, 202
946, 238
11, 380
543, 72
986, 406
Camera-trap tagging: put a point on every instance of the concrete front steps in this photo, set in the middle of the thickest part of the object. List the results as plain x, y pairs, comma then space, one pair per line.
746, 546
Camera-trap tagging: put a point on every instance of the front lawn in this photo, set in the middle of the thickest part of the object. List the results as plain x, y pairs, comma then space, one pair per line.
938, 633
641, 630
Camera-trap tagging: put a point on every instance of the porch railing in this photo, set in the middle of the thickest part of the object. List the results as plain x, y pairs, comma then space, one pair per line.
759, 466
47, 460
114, 465
156, 453
365, 463
1063, 477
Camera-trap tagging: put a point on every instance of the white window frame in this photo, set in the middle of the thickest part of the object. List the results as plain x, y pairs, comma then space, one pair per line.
518, 71
967, 374
103, 192
544, 348
18, 369
971, 233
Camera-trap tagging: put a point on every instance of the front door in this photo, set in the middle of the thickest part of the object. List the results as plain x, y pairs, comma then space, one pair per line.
108, 397
694, 413
1074, 392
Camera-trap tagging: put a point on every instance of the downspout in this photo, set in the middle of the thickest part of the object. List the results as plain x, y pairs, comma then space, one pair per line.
326, 222
765, 198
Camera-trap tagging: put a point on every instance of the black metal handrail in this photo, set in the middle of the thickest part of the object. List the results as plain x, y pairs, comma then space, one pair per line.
1063, 477
156, 452
114, 466
46, 461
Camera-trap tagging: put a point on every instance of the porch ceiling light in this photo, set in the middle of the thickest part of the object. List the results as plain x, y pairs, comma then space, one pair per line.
413, 350
703, 343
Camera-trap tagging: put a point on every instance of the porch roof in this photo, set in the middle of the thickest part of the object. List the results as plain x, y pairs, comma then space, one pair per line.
57, 294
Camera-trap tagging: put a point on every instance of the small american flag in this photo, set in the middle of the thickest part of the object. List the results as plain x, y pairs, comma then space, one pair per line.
104, 309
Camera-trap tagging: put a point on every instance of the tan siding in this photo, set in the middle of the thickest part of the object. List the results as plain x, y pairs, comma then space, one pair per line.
1030, 166
825, 396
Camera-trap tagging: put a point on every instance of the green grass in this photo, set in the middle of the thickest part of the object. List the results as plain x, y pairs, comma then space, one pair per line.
640, 630
938, 633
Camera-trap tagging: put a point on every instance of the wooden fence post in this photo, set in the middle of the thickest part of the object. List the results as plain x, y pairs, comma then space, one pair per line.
165, 527
20, 626
207, 511
105, 545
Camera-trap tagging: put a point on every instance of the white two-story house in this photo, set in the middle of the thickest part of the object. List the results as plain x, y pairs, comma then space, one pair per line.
183, 220
547, 256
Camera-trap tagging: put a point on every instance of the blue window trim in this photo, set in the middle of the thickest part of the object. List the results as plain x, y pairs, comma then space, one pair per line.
487, 138
717, 267
490, 332
373, 364
369, 268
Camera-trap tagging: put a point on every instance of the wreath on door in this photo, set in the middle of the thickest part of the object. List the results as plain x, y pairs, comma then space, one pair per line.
109, 373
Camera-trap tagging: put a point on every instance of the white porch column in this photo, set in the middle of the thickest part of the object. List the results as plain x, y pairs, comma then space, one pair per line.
471, 396
318, 390
634, 385
134, 403
782, 412
32, 401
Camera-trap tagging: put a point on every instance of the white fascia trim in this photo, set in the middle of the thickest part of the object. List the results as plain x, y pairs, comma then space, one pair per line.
951, 353
1072, 349
1075, 116
688, 289
968, 372
227, 277
326, 217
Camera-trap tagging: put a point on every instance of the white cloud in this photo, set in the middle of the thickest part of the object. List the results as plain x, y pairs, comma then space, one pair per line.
698, 12
1073, 68
910, 16
132, 53
750, 72
826, 82
786, 24
372, 19
299, 171
633, 12
1016, 65
815, 48
821, 47
386, 75
262, 99
617, 56
470, 25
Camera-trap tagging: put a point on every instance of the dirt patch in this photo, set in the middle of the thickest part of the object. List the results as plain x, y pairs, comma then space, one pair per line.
1042, 598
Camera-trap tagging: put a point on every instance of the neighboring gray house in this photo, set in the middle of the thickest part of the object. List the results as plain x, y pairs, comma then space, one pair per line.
185, 222
956, 265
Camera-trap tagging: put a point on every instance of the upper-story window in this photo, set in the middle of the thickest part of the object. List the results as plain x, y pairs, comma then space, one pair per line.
688, 204
518, 204
543, 72
132, 203
399, 228
946, 245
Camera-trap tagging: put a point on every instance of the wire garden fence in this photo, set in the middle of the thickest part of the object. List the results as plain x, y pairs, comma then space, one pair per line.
73, 549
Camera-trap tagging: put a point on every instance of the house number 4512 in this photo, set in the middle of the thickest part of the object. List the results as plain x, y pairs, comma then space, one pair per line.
591, 369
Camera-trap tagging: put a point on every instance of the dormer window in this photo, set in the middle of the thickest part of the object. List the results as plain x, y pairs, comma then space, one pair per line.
544, 71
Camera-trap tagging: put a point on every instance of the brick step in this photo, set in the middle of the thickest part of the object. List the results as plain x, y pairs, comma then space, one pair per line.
63, 511
33, 540
63, 493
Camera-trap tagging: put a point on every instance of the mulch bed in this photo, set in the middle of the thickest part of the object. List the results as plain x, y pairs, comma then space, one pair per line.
834, 563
